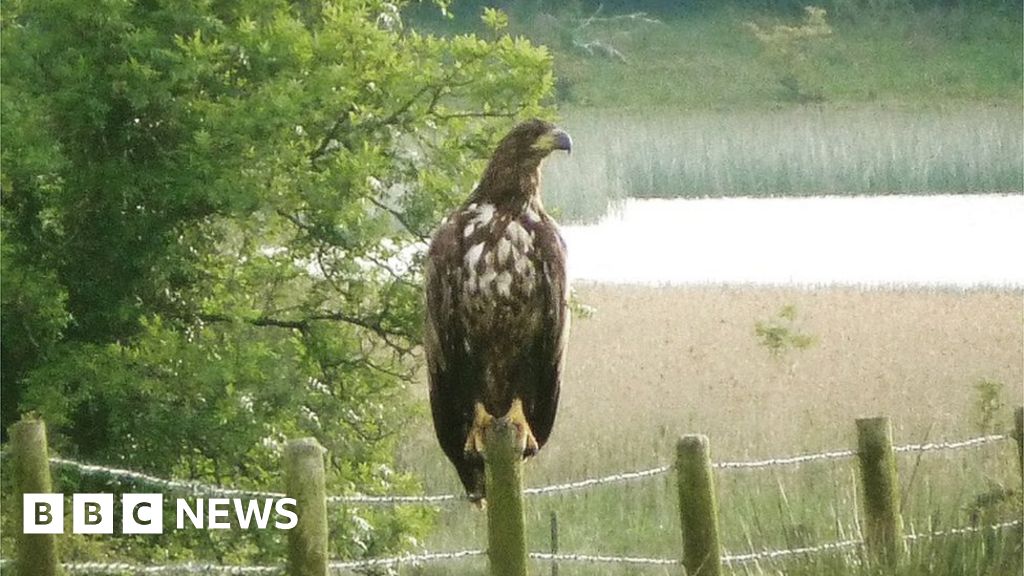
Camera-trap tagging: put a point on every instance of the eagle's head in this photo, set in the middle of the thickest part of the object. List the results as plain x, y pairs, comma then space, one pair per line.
530, 142
517, 158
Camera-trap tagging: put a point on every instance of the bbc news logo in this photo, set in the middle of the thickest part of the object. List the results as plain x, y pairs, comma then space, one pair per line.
144, 513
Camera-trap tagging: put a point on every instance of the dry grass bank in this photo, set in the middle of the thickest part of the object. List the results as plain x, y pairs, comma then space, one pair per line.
653, 363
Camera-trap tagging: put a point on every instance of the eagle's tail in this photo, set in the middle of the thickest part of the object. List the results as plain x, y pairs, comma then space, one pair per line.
471, 473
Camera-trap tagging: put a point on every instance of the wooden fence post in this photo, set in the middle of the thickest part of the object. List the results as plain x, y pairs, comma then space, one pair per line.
1018, 433
883, 532
554, 542
36, 554
304, 481
506, 523
698, 509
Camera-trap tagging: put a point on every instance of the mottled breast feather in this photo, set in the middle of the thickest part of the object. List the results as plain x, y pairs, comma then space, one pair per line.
497, 319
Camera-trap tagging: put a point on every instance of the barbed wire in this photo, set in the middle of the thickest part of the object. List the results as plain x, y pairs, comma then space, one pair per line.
734, 559
748, 557
599, 559
357, 499
178, 485
404, 559
771, 462
971, 443
382, 500
579, 485
729, 559
963, 530
98, 568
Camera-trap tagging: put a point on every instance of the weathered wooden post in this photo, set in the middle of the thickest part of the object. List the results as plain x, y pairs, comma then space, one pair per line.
1018, 433
304, 481
506, 523
36, 554
554, 542
883, 530
698, 508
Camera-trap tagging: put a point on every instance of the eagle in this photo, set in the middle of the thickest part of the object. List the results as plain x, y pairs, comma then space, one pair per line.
497, 313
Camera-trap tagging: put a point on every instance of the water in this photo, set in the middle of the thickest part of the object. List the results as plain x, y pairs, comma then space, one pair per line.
960, 241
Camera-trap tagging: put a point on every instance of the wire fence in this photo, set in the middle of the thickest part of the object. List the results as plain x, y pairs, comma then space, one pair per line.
191, 568
185, 486
121, 475
190, 487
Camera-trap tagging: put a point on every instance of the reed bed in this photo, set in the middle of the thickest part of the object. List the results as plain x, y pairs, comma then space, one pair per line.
804, 151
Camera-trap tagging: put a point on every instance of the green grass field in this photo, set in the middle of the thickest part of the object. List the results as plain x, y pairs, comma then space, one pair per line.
654, 363
708, 59
803, 151
711, 60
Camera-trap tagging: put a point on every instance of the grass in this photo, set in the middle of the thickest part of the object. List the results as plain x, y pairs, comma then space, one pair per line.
810, 150
709, 60
654, 363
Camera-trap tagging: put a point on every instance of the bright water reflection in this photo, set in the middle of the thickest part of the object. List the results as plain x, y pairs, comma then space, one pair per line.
884, 240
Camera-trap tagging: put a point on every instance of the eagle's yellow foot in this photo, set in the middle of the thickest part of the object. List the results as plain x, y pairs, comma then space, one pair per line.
475, 439
527, 442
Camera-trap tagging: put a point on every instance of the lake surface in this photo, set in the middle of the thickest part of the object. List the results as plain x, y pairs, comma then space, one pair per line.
960, 241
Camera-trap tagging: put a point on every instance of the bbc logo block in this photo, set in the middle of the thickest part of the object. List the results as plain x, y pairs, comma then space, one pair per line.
43, 514
144, 513
92, 513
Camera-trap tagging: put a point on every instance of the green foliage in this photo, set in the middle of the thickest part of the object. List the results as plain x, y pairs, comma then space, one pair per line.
580, 309
781, 334
495, 19
989, 408
789, 51
909, 57
208, 214
994, 498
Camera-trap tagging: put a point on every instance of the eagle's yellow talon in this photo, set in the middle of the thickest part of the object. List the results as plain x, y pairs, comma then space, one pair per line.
475, 439
528, 443
475, 444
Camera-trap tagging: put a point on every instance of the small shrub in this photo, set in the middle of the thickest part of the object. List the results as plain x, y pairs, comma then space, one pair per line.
780, 334
580, 309
789, 50
988, 405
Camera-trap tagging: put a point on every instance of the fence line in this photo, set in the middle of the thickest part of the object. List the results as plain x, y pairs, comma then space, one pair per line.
96, 568
404, 559
579, 485
178, 485
598, 559
201, 488
800, 459
971, 443
384, 500
774, 554
963, 530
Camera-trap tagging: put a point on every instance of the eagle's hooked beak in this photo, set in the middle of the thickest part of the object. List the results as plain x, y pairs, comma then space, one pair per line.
555, 139
562, 140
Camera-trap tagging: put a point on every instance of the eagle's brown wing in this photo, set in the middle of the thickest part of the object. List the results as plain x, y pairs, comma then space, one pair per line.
550, 344
453, 373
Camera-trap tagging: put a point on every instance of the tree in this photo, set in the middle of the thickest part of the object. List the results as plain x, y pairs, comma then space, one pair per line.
210, 219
